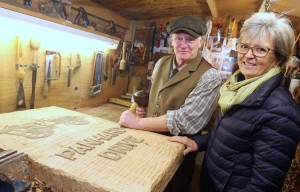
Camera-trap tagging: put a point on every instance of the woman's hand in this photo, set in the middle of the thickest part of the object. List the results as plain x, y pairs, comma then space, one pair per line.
141, 112
296, 94
190, 145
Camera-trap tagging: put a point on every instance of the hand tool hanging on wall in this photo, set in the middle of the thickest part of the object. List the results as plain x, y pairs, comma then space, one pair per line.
219, 24
130, 53
153, 27
111, 29
48, 72
67, 10
53, 65
78, 61
82, 15
166, 37
130, 64
229, 32
96, 87
159, 35
69, 72
113, 70
27, 3
230, 27
206, 49
71, 68
35, 45
123, 61
54, 8
118, 54
106, 67
21, 73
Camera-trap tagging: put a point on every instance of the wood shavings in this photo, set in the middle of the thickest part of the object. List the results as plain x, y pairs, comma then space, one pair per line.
39, 186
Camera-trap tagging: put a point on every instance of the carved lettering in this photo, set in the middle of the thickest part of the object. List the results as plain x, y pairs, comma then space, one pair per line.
68, 154
81, 148
114, 131
120, 148
92, 141
126, 144
114, 152
110, 155
133, 139
101, 136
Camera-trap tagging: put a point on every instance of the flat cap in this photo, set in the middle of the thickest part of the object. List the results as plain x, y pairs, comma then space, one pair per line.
187, 24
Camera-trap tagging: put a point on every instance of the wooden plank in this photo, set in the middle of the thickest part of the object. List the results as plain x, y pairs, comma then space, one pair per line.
213, 8
120, 102
72, 151
107, 111
126, 97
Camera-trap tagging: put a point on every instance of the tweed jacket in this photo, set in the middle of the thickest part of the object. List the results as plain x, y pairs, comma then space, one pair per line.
170, 94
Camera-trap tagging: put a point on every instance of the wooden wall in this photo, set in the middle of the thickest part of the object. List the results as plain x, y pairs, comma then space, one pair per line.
75, 96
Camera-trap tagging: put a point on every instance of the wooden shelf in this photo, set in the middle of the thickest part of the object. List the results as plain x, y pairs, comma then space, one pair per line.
13, 6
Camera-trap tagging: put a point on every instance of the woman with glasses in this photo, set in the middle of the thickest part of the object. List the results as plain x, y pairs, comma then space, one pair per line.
258, 128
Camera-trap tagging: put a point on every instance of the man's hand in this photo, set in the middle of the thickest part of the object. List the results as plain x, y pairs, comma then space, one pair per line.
128, 119
141, 112
190, 145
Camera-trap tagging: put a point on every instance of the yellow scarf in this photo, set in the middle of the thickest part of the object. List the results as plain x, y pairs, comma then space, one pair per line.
233, 92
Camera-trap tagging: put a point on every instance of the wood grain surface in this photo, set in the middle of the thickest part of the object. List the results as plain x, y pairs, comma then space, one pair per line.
72, 151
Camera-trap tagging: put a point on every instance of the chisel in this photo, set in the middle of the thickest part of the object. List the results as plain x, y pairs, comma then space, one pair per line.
21, 73
35, 45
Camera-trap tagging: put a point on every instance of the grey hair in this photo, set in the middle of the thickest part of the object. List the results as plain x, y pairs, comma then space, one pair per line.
273, 26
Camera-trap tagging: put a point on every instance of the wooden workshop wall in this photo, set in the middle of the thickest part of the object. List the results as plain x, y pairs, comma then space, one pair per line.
75, 96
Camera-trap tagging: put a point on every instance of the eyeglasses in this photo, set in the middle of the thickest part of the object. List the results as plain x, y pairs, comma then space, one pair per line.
187, 40
256, 51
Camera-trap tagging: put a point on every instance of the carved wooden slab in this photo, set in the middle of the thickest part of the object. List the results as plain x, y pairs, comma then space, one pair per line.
72, 151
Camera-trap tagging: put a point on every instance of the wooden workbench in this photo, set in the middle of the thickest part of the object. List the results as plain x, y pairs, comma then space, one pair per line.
72, 151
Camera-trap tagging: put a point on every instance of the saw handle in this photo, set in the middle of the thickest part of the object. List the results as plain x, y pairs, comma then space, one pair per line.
35, 45
19, 51
21, 71
20, 103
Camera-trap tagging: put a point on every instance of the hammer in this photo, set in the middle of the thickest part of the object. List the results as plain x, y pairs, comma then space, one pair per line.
141, 99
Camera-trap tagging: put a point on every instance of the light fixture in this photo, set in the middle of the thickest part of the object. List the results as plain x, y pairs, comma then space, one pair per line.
52, 33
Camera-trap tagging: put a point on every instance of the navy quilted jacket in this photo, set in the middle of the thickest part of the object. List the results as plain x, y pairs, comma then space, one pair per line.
252, 145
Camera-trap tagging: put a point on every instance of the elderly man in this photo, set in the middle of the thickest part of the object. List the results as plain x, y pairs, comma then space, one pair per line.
183, 95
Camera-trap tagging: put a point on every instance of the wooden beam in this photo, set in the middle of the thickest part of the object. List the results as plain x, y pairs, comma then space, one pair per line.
213, 8
262, 7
